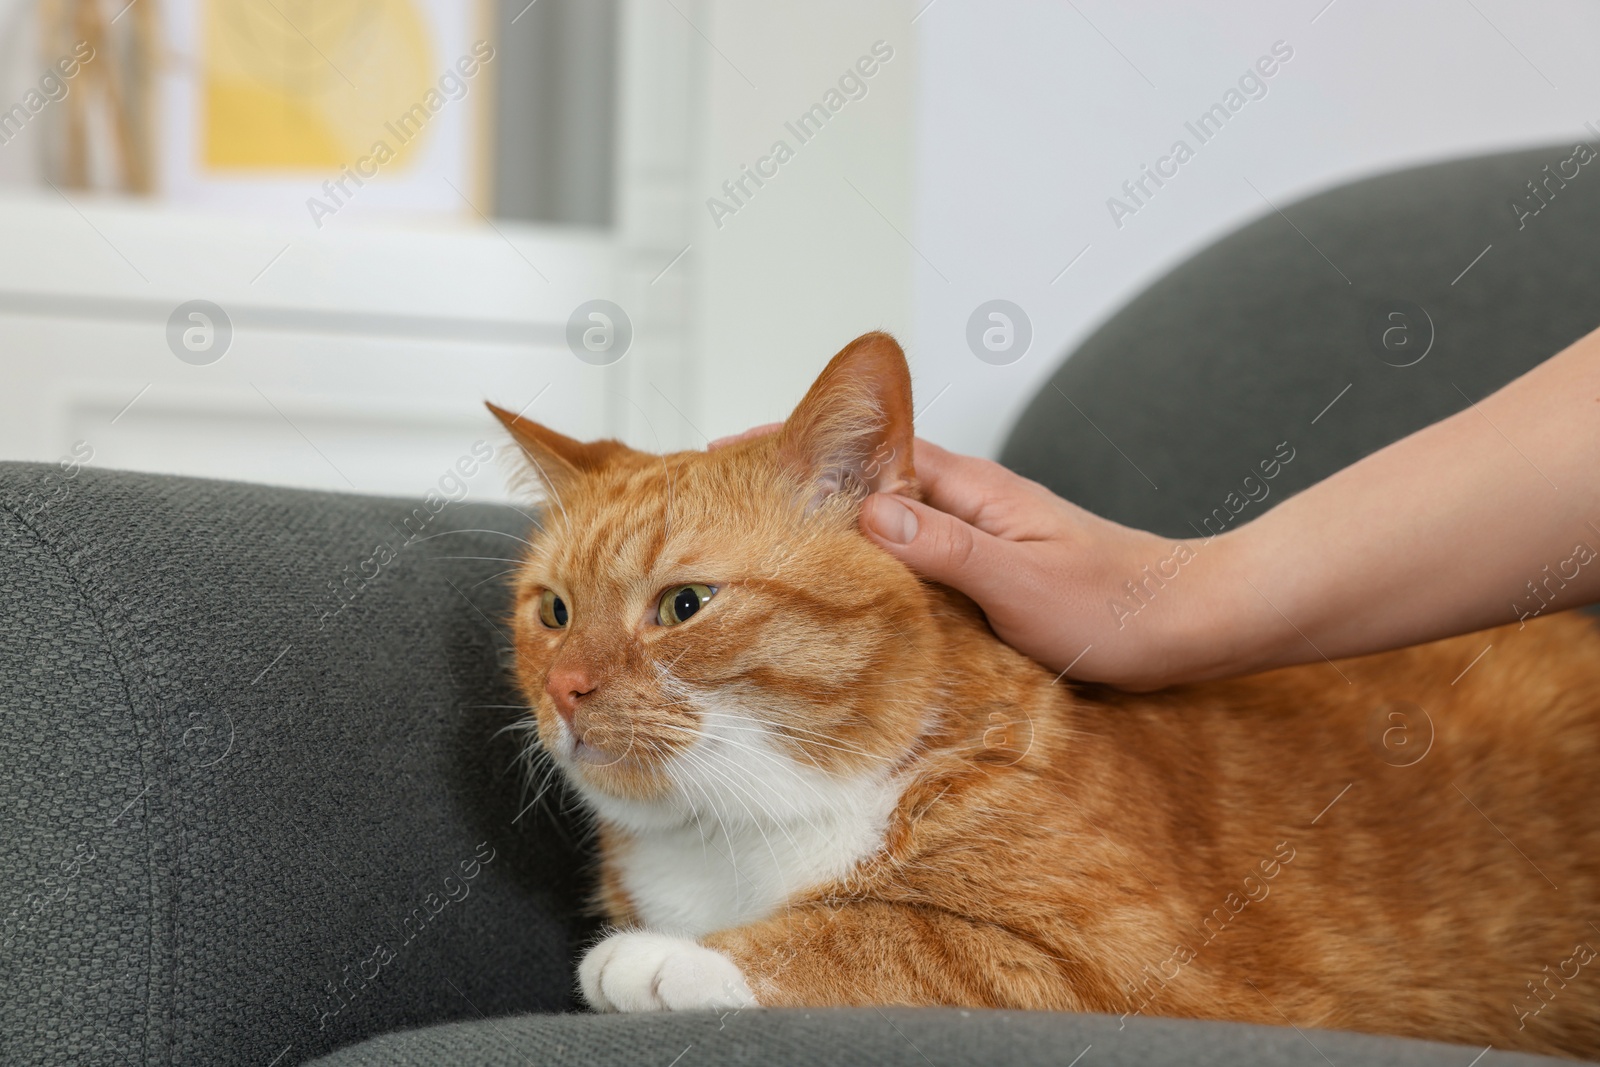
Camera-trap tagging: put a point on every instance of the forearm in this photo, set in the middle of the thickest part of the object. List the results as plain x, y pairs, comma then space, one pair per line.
1490, 515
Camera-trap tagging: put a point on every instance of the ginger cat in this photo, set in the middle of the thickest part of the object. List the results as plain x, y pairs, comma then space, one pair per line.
819, 780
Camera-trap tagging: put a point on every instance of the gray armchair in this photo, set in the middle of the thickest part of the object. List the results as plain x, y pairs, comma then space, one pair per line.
256, 808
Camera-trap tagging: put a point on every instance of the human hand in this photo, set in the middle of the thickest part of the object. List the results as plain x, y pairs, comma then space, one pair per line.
1048, 574
1045, 572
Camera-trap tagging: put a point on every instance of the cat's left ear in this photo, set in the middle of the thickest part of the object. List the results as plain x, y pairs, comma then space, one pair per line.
855, 422
555, 460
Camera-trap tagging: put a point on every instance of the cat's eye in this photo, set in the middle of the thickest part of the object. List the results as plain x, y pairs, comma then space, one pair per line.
552, 610
682, 601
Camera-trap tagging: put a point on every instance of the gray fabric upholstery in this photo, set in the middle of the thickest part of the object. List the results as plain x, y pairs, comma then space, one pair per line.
204, 840
893, 1036
200, 834
1182, 393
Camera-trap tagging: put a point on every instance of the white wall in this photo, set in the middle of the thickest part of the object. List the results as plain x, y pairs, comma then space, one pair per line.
814, 258
1029, 119
977, 166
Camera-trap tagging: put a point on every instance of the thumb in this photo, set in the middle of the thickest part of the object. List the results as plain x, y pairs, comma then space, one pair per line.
932, 543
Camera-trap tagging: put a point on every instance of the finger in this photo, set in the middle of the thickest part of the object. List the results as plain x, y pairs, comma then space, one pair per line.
963, 485
754, 431
934, 544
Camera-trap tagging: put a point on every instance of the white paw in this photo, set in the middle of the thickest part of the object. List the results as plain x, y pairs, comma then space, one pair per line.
655, 972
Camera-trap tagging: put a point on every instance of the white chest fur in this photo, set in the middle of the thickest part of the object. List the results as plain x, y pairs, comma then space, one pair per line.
711, 874
750, 825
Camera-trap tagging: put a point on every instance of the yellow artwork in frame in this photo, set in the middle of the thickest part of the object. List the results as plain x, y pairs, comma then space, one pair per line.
302, 85
270, 99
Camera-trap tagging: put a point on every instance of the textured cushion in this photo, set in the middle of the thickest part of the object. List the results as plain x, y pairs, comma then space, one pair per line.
1185, 391
219, 801
893, 1036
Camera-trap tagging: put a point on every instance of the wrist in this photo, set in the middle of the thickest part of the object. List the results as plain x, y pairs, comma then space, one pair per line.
1221, 626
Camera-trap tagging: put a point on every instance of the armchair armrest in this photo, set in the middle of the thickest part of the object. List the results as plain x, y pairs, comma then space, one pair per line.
253, 799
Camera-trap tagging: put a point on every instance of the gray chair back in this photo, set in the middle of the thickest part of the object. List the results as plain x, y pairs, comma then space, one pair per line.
1349, 320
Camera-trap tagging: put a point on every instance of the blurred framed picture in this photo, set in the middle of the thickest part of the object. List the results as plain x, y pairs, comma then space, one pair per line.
329, 109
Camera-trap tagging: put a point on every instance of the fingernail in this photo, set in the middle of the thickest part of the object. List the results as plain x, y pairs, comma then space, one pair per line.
893, 521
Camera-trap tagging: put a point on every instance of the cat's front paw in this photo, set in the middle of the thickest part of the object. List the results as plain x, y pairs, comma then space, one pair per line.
654, 972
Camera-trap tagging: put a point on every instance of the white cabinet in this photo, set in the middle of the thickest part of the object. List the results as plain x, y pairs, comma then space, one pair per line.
360, 356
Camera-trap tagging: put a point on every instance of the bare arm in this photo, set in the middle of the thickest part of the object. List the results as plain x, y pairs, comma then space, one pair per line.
1491, 515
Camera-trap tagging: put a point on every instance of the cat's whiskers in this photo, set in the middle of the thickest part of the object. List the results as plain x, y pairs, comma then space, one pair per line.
805, 753
547, 484
492, 577
671, 704
749, 723
528, 806
727, 774
542, 774
530, 755
833, 743
743, 887
694, 813
498, 533
535, 523
540, 770
703, 761
538, 765
783, 727
663, 759
829, 742
519, 724
777, 761
733, 866
674, 687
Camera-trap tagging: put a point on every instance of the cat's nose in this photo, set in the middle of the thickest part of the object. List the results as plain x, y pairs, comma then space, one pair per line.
566, 686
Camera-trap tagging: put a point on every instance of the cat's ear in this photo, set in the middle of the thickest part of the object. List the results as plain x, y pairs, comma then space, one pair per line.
854, 425
554, 460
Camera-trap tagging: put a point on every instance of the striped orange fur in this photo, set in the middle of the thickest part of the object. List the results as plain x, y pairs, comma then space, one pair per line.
948, 824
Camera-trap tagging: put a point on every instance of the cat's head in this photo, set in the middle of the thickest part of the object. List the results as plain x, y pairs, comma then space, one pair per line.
709, 633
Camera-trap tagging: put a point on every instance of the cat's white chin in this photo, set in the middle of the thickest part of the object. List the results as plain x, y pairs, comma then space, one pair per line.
575, 751
593, 755
638, 815
639, 971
